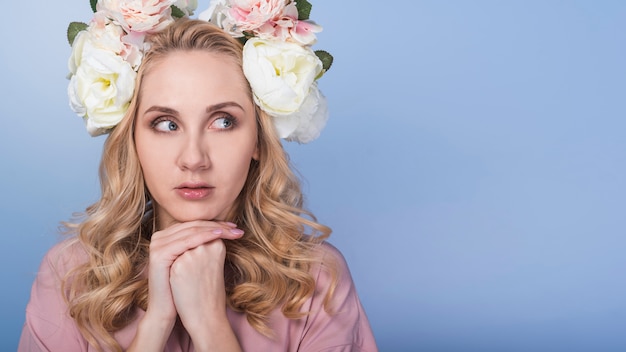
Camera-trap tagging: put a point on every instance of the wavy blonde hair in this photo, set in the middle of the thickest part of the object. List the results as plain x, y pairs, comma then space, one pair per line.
268, 268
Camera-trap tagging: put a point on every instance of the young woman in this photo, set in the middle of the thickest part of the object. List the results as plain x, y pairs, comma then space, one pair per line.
199, 241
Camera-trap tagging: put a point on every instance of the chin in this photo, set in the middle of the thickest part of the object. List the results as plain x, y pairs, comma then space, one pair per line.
186, 215
193, 217
194, 212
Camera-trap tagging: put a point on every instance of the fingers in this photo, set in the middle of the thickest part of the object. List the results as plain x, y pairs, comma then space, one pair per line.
179, 238
199, 259
225, 230
229, 232
198, 291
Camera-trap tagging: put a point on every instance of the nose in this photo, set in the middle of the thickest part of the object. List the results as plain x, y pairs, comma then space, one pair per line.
194, 154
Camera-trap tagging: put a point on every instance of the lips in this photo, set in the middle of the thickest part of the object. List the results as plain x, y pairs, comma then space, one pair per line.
194, 190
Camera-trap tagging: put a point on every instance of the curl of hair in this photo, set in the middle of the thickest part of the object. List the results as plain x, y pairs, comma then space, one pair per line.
268, 268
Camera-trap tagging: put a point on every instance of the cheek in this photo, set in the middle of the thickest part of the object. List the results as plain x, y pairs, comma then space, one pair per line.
235, 163
150, 158
234, 167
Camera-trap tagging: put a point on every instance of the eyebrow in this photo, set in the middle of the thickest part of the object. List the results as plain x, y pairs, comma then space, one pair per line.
209, 109
162, 109
224, 105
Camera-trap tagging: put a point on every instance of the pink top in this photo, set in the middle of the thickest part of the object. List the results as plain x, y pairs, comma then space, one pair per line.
49, 327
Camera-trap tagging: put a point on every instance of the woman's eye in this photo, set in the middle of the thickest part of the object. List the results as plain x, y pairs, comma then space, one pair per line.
223, 123
165, 126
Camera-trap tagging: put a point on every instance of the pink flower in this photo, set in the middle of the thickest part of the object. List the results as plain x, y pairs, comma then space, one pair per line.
304, 32
288, 28
144, 16
248, 15
134, 47
106, 34
110, 36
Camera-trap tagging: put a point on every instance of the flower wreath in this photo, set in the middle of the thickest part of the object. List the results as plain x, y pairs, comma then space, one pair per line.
278, 61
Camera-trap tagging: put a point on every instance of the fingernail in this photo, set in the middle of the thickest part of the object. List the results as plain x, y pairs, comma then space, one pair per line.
231, 224
217, 231
236, 231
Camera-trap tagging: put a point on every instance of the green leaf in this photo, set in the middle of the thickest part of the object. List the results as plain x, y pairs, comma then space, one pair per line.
177, 13
242, 40
304, 9
93, 5
246, 35
326, 58
73, 29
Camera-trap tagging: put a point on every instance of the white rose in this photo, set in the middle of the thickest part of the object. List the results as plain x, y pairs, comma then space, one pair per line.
280, 74
101, 88
77, 51
187, 6
216, 14
306, 124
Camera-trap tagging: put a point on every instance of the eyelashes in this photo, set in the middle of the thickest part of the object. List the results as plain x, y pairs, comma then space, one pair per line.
164, 125
225, 122
167, 124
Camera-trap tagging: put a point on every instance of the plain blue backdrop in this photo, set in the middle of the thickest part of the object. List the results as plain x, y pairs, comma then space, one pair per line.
473, 168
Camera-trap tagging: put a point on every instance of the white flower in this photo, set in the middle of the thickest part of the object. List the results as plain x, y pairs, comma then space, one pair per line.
77, 51
101, 87
307, 123
138, 15
187, 6
217, 14
280, 74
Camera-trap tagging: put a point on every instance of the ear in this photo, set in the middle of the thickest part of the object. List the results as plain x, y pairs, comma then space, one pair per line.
255, 155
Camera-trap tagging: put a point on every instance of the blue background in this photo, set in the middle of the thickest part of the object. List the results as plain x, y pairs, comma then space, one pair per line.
473, 168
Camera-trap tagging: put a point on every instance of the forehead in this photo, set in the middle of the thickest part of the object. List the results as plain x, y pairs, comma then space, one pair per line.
194, 73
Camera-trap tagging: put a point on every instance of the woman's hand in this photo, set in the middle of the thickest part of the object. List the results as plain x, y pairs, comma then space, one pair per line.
197, 281
166, 247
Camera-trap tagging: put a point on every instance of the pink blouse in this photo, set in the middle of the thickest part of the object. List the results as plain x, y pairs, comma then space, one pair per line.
49, 327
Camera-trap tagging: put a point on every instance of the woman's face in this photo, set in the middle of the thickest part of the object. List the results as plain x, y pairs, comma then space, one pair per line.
195, 135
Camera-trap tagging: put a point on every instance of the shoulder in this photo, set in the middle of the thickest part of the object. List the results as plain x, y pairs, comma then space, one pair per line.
327, 253
332, 275
48, 324
67, 253
60, 260
336, 320
54, 268
332, 267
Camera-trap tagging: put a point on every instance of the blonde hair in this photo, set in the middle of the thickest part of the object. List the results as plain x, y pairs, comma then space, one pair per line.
268, 268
